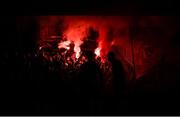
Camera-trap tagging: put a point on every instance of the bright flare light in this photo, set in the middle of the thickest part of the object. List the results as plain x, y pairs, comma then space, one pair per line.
64, 44
97, 52
77, 50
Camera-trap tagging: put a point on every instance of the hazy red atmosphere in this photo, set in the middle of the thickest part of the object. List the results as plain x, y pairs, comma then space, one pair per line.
90, 64
92, 57
113, 34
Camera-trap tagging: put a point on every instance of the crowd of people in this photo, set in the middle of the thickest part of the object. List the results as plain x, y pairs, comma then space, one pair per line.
86, 84
87, 77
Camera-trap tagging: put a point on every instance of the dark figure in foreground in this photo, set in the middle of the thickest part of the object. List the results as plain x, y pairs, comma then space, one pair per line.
118, 78
118, 82
91, 76
91, 84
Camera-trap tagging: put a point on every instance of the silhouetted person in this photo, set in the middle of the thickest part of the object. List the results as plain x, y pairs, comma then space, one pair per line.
91, 76
91, 83
118, 78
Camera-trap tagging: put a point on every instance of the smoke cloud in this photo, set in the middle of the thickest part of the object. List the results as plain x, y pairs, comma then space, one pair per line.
110, 33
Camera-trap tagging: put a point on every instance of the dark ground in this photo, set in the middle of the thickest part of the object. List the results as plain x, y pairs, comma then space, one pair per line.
34, 90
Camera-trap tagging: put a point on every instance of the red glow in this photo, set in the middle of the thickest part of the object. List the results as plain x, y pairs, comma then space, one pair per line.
113, 36
76, 29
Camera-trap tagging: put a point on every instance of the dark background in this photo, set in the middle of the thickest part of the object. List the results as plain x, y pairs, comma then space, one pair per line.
39, 97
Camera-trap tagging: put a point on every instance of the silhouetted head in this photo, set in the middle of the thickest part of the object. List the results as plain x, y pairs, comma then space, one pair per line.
90, 55
111, 56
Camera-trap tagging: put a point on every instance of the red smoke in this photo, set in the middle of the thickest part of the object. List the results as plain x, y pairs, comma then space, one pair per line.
112, 35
